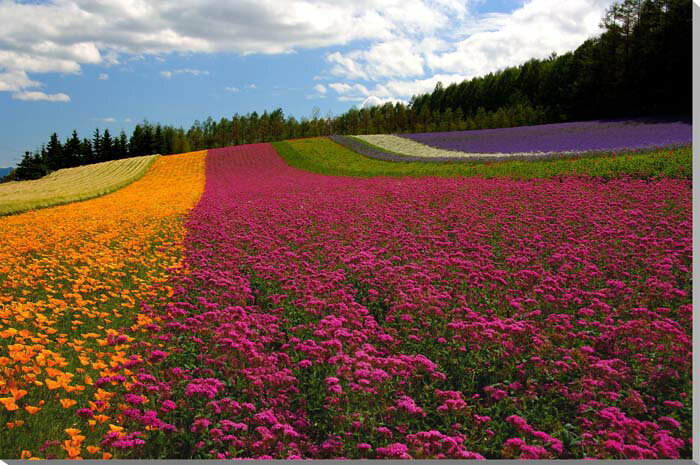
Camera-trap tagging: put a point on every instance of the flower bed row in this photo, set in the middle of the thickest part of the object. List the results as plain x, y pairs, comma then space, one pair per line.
583, 136
397, 149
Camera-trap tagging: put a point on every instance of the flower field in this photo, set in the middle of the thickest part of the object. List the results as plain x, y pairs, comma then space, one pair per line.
70, 278
72, 184
563, 137
300, 315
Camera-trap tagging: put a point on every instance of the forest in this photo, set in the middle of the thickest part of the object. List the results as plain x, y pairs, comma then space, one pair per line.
640, 65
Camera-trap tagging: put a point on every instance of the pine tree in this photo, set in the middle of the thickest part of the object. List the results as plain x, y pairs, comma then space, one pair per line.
86, 155
71, 151
97, 149
107, 146
122, 146
54, 153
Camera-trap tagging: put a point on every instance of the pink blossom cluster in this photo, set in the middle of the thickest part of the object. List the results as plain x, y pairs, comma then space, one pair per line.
331, 317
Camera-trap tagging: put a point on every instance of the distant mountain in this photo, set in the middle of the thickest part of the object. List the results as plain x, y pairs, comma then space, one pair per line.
4, 171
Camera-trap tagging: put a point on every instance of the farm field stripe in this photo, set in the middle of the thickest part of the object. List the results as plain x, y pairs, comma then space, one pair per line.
362, 146
328, 317
324, 156
70, 277
406, 149
411, 148
72, 184
580, 136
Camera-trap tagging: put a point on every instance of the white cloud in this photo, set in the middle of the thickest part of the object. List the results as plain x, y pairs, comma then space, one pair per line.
62, 35
251, 86
127, 120
535, 30
37, 96
192, 72
395, 58
405, 42
411, 63
106, 120
349, 92
320, 88
408, 88
13, 81
103, 76
374, 101
232, 89
390, 91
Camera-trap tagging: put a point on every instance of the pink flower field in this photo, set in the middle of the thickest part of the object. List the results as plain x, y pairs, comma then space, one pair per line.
329, 317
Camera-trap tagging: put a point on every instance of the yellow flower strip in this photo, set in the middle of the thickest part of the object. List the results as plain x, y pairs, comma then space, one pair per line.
69, 277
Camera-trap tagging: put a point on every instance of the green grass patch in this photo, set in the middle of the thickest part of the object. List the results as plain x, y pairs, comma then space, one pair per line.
323, 156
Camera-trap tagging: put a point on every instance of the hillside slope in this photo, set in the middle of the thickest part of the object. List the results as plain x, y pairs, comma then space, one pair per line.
72, 184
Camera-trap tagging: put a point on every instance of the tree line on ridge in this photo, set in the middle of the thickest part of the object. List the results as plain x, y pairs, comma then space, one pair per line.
640, 65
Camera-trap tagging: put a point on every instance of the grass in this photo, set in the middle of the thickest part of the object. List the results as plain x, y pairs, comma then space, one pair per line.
323, 156
72, 184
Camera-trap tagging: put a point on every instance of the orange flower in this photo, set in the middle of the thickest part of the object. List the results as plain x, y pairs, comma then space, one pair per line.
68, 403
92, 449
51, 384
25, 454
101, 394
72, 431
72, 449
9, 403
101, 418
115, 428
18, 393
106, 456
53, 373
31, 410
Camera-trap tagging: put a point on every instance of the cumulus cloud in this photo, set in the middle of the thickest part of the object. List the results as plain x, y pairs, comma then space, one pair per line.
15, 80
405, 42
232, 89
175, 72
103, 76
392, 90
37, 96
374, 101
63, 35
395, 58
349, 92
535, 30
320, 88
470, 45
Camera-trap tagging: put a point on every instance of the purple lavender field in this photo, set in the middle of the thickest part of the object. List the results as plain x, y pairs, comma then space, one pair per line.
563, 137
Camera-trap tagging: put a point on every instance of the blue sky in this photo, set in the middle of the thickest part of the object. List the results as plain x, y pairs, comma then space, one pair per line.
81, 64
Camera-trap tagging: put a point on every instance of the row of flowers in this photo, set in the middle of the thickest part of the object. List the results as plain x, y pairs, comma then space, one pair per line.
581, 136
